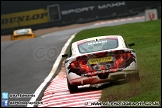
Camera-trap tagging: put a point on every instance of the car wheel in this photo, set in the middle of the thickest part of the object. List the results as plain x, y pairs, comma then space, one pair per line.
72, 88
136, 76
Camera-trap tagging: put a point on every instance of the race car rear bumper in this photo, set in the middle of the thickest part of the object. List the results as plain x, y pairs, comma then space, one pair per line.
82, 80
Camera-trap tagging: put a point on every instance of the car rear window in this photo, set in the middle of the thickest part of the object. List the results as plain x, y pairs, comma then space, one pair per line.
23, 31
98, 45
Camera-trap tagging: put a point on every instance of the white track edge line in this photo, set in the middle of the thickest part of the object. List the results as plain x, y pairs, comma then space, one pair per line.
48, 78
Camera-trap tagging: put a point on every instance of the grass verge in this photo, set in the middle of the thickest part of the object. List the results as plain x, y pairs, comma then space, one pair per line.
147, 39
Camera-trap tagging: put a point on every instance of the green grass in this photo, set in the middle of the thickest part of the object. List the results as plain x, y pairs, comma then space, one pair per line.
147, 39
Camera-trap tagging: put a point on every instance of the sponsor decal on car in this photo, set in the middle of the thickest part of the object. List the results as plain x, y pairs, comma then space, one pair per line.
101, 63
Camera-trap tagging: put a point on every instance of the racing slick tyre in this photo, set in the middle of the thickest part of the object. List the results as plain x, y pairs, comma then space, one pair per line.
72, 88
136, 76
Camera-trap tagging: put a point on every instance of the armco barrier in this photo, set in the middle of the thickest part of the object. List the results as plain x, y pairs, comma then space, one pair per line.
123, 15
108, 17
86, 20
134, 13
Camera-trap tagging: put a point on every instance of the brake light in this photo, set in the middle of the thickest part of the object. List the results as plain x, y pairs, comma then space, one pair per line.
117, 56
122, 54
83, 62
75, 64
128, 54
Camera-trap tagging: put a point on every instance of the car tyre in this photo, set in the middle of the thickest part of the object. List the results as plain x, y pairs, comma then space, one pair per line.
72, 88
134, 77
137, 77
